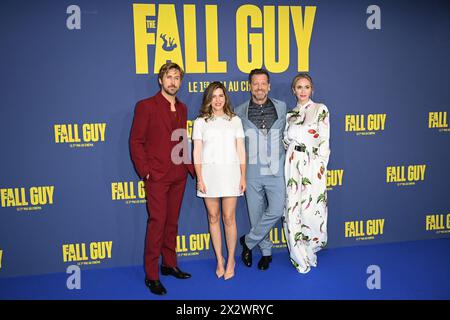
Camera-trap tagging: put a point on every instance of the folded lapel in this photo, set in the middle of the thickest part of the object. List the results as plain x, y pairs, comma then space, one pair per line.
246, 106
280, 115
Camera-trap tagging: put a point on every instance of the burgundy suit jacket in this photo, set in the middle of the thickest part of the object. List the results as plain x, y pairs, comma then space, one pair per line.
150, 138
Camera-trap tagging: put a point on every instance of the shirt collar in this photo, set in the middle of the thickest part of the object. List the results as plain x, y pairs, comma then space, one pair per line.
305, 106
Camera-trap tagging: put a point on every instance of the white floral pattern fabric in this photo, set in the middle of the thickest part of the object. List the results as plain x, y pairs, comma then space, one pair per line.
306, 139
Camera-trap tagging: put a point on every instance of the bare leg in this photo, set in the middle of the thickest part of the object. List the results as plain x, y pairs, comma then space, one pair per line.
213, 207
229, 220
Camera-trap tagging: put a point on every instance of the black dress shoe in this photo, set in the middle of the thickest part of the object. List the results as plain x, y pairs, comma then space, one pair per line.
264, 262
156, 287
177, 273
246, 253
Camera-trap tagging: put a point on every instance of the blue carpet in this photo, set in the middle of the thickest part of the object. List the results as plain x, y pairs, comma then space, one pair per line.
409, 270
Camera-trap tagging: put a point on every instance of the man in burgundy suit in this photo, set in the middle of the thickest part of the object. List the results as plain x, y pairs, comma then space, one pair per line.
158, 145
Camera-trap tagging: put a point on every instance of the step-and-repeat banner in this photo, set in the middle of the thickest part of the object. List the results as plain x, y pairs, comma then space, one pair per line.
72, 72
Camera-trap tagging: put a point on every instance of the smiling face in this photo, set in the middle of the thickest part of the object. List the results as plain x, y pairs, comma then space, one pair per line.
218, 101
170, 82
259, 88
302, 90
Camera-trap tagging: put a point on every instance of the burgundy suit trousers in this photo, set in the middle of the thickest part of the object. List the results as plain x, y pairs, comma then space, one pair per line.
164, 199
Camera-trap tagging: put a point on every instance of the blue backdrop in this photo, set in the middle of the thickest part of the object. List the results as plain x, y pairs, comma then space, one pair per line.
72, 73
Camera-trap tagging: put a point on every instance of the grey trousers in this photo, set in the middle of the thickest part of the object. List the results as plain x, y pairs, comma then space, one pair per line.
266, 198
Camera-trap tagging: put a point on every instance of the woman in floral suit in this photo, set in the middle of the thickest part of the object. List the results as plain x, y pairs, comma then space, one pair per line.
306, 139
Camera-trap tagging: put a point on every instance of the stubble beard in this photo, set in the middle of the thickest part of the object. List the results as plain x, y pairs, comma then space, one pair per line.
256, 97
170, 93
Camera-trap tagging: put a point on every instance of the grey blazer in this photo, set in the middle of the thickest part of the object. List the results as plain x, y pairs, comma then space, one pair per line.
265, 153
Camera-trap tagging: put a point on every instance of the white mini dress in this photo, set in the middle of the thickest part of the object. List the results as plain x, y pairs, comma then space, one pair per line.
221, 170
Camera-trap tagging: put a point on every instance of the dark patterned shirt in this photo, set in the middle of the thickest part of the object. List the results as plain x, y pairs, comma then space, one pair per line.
262, 116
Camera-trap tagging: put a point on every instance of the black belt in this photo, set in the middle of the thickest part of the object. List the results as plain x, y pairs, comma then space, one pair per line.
300, 148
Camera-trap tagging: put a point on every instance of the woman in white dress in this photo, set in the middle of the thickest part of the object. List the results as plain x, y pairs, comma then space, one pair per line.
219, 160
306, 139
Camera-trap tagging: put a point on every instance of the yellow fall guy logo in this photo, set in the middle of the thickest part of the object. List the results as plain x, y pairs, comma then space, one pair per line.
438, 120
369, 229
130, 191
192, 243
21, 197
78, 252
405, 175
127, 190
334, 178
438, 222
254, 48
278, 238
70, 133
365, 124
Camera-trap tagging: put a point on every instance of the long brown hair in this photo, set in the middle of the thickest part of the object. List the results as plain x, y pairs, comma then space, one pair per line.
206, 109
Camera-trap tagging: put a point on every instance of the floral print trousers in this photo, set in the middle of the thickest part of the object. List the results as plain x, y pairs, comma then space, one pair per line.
305, 216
